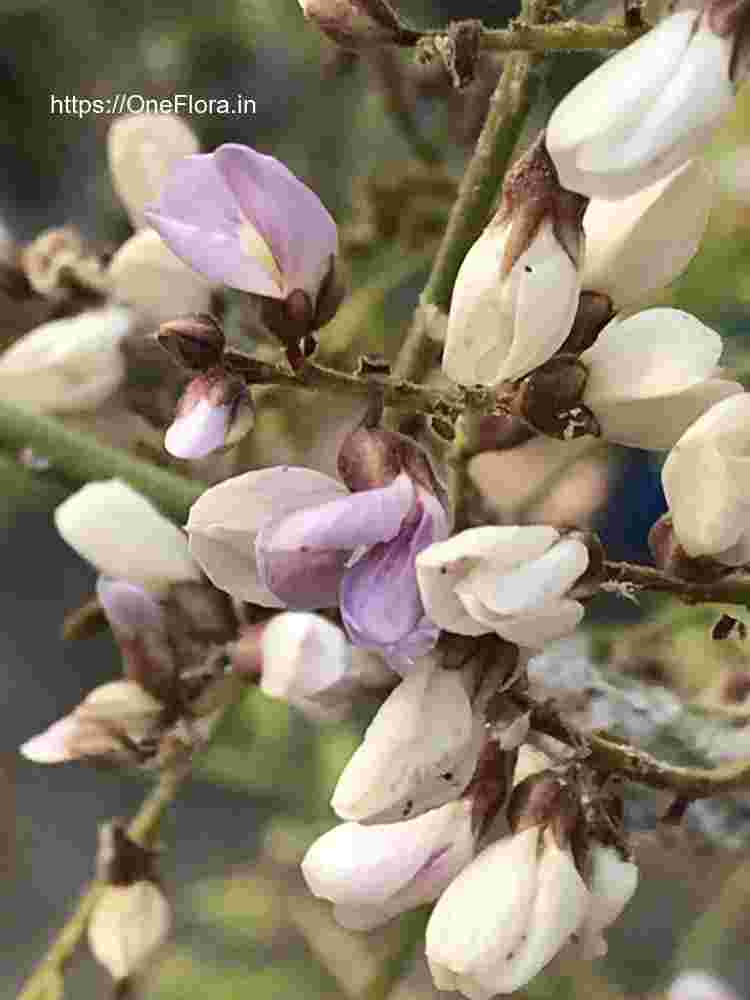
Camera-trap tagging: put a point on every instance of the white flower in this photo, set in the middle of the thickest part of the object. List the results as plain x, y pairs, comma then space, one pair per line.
128, 924
124, 536
142, 150
644, 111
146, 275
639, 245
419, 752
505, 916
651, 375
67, 365
372, 873
503, 324
509, 580
612, 883
706, 480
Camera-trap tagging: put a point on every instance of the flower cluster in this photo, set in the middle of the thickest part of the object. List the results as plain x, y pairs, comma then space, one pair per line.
445, 801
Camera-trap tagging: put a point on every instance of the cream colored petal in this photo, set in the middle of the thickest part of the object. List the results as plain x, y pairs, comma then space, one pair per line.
147, 276
128, 924
650, 354
641, 244
117, 530
657, 422
142, 149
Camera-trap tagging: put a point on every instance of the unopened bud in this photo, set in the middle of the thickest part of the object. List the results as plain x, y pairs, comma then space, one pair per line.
127, 925
215, 411
357, 23
550, 399
517, 290
372, 457
196, 341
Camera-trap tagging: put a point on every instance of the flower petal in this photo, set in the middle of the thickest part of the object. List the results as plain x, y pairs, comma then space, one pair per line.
200, 220
303, 655
147, 276
641, 244
156, 553
225, 520
380, 602
657, 422
532, 584
142, 150
199, 432
291, 218
651, 354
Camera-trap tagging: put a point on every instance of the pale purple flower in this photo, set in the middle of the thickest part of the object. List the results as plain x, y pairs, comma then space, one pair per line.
244, 220
292, 537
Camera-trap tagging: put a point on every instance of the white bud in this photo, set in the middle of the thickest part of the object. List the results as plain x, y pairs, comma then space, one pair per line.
142, 149
713, 520
651, 375
509, 580
419, 752
501, 325
124, 536
505, 916
639, 245
127, 925
304, 659
645, 111
372, 873
67, 365
147, 276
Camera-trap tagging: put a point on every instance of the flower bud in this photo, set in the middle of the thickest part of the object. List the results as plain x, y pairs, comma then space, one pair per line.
639, 245
516, 292
645, 111
67, 365
420, 750
357, 23
149, 278
215, 411
715, 521
127, 925
514, 581
372, 873
96, 519
142, 149
196, 341
550, 399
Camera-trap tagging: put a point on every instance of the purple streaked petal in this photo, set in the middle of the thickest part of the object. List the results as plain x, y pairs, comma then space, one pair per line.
356, 519
200, 220
380, 601
402, 656
199, 432
291, 218
303, 579
128, 608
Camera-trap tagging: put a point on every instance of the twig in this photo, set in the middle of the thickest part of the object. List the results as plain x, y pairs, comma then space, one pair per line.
386, 67
607, 755
81, 457
143, 829
565, 36
731, 589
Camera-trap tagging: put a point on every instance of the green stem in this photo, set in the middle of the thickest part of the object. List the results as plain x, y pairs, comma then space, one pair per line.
81, 457
143, 829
